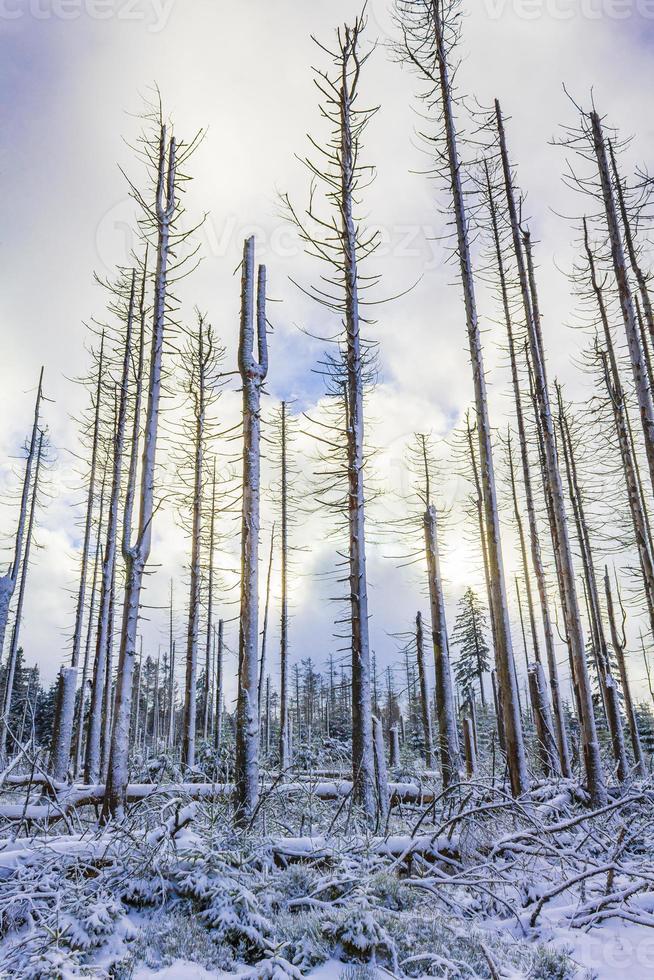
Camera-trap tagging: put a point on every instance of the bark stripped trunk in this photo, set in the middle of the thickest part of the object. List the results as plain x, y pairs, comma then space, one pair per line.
92, 760
253, 373
560, 534
136, 555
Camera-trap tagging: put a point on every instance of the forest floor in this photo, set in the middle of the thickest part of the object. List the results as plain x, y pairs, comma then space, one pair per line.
466, 884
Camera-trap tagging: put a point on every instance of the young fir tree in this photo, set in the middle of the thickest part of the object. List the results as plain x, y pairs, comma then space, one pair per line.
469, 635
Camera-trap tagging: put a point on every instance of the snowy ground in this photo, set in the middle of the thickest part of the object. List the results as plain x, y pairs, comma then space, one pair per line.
468, 885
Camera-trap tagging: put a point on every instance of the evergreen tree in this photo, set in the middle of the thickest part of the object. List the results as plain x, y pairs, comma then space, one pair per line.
469, 634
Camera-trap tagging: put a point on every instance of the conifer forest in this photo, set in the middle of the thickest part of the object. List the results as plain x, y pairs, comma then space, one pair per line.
327, 483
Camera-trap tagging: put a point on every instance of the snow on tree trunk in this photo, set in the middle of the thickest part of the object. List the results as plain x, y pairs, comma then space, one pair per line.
469, 747
63, 726
543, 719
560, 535
381, 774
445, 715
394, 746
136, 556
253, 373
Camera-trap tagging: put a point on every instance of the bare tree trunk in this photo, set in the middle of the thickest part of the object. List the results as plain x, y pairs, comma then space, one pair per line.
638, 366
86, 543
206, 722
424, 695
619, 645
9, 580
516, 758
219, 688
619, 408
469, 747
383, 797
190, 691
92, 760
479, 503
253, 373
571, 612
534, 540
79, 745
15, 633
136, 556
607, 683
284, 745
264, 632
448, 740
363, 765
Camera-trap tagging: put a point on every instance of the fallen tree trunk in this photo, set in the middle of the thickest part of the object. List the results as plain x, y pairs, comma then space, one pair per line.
82, 795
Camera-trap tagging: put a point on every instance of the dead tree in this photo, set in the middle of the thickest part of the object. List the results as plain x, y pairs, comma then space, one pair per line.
164, 157
617, 399
340, 241
627, 306
10, 670
199, 360
559, 529
253, 372
534, 538
619, 641
607, 683
444, 698
430, 34
208, 693
92, 759
10, 578
424, 694
218, 722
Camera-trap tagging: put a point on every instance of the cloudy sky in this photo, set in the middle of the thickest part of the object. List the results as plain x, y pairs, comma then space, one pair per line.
74, 72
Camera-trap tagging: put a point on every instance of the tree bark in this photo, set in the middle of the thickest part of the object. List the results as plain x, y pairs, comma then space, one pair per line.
593, 763
253, 373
